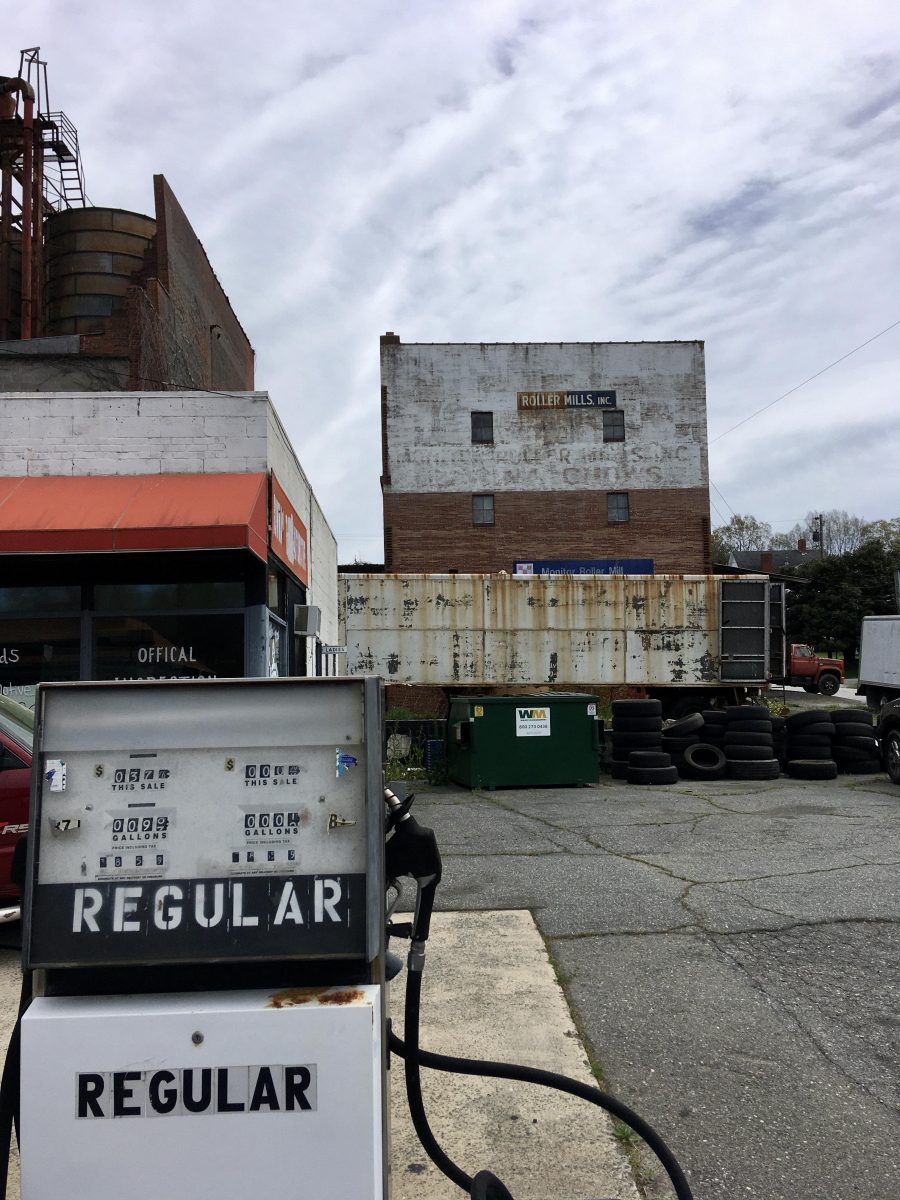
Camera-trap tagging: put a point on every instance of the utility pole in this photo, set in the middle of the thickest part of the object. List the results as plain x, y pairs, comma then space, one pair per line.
819, 534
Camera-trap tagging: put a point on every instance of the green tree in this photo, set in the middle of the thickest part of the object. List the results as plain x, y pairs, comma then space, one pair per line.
741, 533
840, 590
886, 531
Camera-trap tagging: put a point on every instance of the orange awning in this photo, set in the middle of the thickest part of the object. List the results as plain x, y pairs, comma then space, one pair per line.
61, 514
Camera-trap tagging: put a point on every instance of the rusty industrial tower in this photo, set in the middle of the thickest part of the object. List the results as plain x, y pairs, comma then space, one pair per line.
40, 173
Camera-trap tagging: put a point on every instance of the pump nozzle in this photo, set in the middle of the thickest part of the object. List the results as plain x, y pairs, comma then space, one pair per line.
412, 850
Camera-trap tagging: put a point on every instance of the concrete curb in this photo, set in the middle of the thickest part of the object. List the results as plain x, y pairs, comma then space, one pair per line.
489, 991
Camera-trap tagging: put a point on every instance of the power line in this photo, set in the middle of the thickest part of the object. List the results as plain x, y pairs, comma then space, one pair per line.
791, 391
722, 498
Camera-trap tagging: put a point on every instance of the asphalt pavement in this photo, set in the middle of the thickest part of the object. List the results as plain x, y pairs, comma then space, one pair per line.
730, 955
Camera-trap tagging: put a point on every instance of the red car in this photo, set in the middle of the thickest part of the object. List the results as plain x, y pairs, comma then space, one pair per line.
16, 740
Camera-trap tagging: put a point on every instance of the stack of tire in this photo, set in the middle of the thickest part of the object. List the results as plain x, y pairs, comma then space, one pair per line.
637, 743
855, 746
715, 722
749, 744
808, 747
702, 756
681, 734
778, 737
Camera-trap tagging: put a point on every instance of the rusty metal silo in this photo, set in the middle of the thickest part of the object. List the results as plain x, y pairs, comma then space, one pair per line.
92, 256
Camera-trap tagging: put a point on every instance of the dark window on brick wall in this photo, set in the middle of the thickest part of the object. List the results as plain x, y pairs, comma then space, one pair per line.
613, 425
617, 506
482, 510
482, 428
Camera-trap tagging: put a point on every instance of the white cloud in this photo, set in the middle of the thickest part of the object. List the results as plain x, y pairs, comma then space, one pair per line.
522, 171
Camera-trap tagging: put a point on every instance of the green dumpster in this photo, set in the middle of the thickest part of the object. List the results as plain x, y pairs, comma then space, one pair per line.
523, 741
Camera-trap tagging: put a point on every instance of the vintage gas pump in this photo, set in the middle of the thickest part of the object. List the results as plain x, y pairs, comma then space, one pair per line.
205, 928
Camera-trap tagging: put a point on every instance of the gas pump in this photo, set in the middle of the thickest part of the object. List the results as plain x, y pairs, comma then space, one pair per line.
204, 948
205, 931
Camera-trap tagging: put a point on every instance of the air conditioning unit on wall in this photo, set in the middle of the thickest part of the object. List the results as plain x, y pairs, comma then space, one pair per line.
307, 619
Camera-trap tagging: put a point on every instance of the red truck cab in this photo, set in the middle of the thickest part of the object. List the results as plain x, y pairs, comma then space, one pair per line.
812, 672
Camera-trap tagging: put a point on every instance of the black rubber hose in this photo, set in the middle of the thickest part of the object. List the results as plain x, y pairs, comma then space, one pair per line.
415, 1057
414, 1083
9, 1086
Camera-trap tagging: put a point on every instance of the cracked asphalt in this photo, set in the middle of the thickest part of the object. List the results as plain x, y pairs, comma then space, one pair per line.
731, 955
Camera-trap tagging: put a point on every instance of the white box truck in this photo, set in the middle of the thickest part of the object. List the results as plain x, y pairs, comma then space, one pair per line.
879, 660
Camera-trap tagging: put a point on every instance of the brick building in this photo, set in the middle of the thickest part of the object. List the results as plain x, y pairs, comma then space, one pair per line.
545, 456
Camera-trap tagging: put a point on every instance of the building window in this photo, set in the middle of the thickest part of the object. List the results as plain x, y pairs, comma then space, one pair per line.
617, 506
482, 510
482, 428
613, 425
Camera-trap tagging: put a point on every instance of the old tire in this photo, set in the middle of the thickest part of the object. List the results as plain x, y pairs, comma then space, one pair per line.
804, 768
858, 715
795, 753
747, 712
890, 749
848, 729
635, 741
678, 745
796, 721
636, 708
652, 775
703, 761
766, 768
748, 753
685, 725
748, 727
637, 724
862, 766
747, 739
817, 729
866, 744
714, 716
648, 758
809, 739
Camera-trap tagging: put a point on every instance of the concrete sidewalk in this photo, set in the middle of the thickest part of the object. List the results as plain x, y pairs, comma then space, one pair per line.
489, 991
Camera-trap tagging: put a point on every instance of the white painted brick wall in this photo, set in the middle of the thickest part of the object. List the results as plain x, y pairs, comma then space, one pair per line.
433, 389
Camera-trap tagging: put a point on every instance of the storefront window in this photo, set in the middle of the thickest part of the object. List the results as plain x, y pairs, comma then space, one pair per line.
26, 601
169, 647
147, 597
37, 651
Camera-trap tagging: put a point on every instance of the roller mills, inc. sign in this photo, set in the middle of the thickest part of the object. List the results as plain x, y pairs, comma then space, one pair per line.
538, 401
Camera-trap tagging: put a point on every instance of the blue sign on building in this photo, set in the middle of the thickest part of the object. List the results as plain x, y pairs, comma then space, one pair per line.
602, 399
585, 566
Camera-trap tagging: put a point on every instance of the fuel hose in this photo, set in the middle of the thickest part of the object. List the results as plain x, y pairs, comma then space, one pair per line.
415, 1058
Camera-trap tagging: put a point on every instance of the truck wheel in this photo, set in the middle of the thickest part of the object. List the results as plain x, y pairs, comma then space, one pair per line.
891, 748
829, 684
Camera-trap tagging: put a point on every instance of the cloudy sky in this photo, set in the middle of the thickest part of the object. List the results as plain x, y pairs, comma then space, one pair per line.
513, 170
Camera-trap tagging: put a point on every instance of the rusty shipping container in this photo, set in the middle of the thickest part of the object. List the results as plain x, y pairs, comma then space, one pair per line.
657, 632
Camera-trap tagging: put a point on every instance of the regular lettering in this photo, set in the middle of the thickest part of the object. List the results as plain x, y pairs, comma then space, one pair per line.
160, 907
192, 1091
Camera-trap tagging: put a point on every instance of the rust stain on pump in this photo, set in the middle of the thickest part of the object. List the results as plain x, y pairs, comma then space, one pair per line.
294, 997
